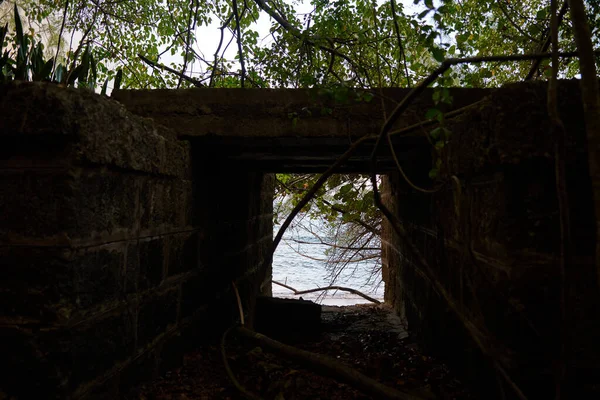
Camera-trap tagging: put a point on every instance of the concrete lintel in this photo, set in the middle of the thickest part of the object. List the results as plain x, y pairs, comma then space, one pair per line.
307, 113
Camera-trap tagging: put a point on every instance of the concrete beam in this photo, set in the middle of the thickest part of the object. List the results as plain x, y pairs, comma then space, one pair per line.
280, 113
288, 130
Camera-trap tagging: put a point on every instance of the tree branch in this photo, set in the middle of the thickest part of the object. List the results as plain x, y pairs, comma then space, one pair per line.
154, 64
558, 131
239, 41
191, 27
214, 67
344, 289
400, 46
329, 367
591, 106
546, 44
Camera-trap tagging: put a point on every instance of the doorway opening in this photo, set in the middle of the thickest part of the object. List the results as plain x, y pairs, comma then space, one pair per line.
335, 241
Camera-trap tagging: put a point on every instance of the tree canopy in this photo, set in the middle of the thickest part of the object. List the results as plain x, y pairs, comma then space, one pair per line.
356, 43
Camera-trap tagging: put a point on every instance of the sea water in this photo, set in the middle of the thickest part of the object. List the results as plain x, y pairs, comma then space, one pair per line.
294, 269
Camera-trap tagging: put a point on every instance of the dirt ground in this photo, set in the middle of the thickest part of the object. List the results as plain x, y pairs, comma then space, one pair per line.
368, 338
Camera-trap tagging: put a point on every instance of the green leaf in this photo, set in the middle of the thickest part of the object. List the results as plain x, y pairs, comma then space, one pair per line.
94, 74
534, 30
429, 4
438, 54
85, 67
424, 14
3, 32
73, 75
46, 70
346, 188
432, 113
541, 14
104, 87
60, 73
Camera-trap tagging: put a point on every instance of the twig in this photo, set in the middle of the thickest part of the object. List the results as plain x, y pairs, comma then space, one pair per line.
239, 41
295, 32
546, 44
239, 303
329, 367
399, 39
335, 246
517, 27
355, 220
60, 33
348, 261
154, 64
191, 27
214, 68
232, 378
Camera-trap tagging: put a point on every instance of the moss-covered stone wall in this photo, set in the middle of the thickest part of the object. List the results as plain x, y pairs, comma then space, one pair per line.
116, 251
491, 234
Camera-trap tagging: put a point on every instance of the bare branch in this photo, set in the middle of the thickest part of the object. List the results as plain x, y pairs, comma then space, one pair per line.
239, 41
400, 45
329, 367
214, 67
344, 289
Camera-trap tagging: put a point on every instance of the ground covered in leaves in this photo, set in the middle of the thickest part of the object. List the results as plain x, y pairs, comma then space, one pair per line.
368, 338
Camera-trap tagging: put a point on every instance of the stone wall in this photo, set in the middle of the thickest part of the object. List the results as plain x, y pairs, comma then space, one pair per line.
107, 265
493, 242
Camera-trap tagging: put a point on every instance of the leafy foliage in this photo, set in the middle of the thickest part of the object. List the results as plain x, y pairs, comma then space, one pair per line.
23, 59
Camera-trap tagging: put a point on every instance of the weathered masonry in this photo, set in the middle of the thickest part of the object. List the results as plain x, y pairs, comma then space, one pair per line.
123, 224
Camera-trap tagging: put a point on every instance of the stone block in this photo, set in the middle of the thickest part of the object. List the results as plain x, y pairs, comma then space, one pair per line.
53, 363
151, 263
142, 368
96, 347
79, 118
156, 313
131, 273
35, 204
183, 252
66, 207
49, 284
33, 281
97, 275
287, 318
195, 293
